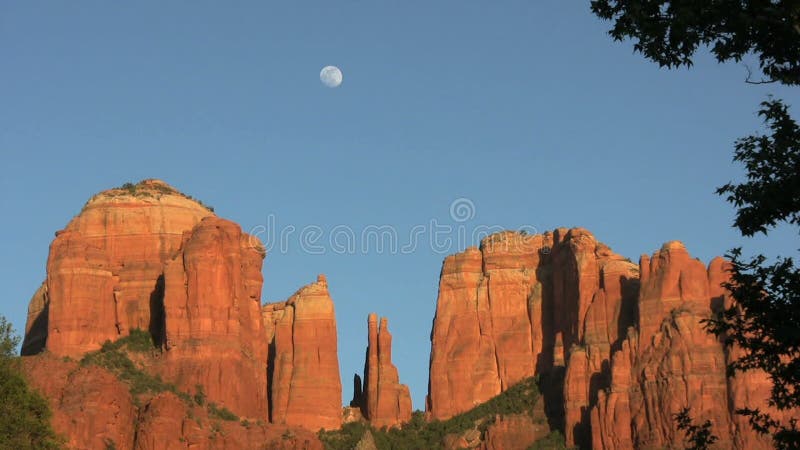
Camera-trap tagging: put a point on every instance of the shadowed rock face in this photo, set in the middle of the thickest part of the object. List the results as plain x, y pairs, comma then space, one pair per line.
627, 352
305, 388
384, 402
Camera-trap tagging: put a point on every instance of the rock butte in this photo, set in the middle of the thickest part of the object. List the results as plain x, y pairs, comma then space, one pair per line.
147, 257
618, 346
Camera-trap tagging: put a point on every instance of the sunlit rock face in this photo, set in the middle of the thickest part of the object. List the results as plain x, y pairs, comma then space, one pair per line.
92, 409
104, 271
214, 331
383, 401
508, 310
305, 385
619, 347
147, 257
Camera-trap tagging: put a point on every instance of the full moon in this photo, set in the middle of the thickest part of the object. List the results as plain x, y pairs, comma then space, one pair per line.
331, 76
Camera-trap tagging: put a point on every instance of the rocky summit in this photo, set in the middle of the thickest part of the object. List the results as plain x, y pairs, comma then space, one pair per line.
149, 332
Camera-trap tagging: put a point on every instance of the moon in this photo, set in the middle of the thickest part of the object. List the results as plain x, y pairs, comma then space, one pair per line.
331, 76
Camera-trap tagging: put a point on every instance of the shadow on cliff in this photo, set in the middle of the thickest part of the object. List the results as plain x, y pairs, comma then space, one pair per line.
158, 325
36, 337
551, 376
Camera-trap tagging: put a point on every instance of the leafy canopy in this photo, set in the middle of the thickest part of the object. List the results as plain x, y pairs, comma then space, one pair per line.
763, 320
669, 32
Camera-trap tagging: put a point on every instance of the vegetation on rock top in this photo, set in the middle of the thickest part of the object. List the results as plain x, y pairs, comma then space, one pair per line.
151, 189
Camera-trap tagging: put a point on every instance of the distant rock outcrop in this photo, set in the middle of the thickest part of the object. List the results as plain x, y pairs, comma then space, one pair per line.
669, 361
305, 386
508, 311
619, 348
383, 400
618, 355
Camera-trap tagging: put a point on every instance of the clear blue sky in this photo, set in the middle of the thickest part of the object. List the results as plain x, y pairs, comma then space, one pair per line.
528, 110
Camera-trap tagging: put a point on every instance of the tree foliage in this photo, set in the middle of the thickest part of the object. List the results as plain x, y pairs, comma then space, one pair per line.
669, 32
699, 437
772, 191
24, 414
765, 316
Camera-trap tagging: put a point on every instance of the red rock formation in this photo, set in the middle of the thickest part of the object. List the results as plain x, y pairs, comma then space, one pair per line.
482, 339
305, 386
385, 402
214, 329
508, 310
513, 431
104, 267
671, 362
91, 407
635, 351
166, 422
611, 418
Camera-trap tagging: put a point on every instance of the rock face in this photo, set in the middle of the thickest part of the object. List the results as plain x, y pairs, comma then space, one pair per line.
147, 257
104, 268
508, 310
212, 310
618, 355
168, 423
305, 387
384, 402
92, 409
514, 431
669, 362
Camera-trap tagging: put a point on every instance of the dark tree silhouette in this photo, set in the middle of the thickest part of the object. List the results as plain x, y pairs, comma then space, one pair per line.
699, 437
669, 32
765, 316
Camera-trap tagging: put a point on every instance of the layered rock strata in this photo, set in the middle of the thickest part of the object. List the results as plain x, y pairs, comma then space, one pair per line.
305, 386
618, 354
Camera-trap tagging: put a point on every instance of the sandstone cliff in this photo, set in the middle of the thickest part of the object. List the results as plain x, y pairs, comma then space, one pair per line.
383, 400
508, 310
305, 387
214, 332
669, 361
146, 257
93, 409
617, 355
104, 269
